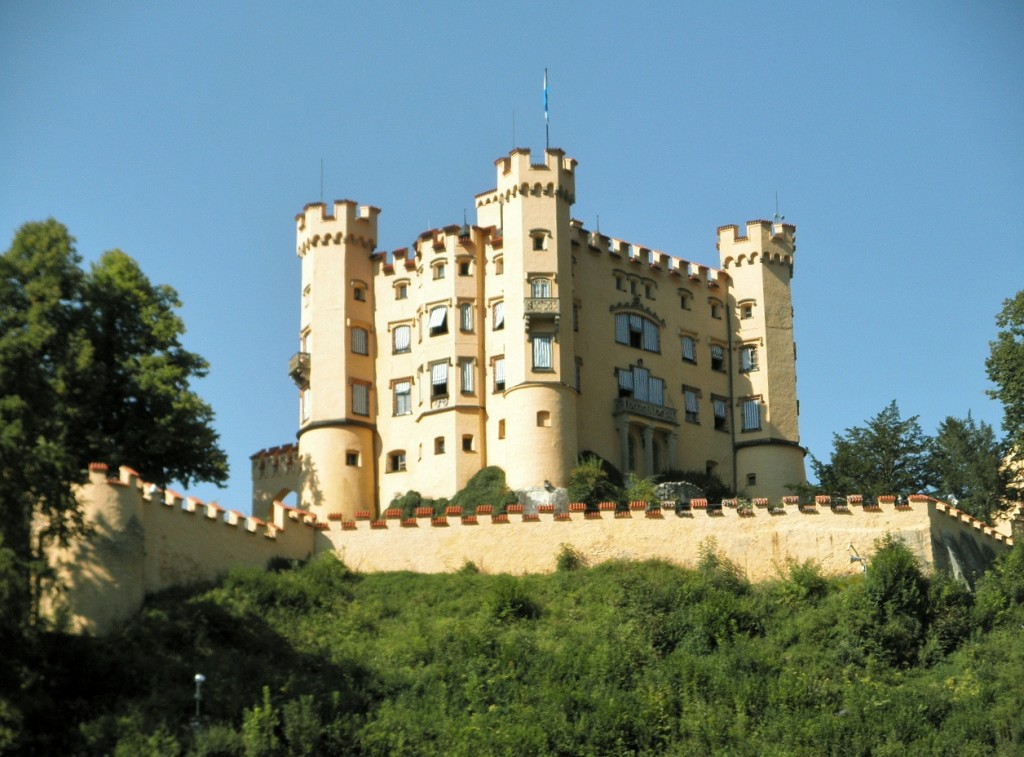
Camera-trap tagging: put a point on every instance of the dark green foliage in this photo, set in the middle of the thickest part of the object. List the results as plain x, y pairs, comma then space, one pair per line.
895, 604
569, 559
621, 658
589, 482
91, 369
888, 455
486, 487
1005, 366
966, 461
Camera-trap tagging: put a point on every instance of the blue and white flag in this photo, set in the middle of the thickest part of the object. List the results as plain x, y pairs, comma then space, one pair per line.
545, 95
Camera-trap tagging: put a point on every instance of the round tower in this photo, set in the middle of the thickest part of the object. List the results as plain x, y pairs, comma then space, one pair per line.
334, 368
766, 435
530, 209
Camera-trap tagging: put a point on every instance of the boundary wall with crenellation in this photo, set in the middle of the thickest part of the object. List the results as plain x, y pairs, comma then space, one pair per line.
143, 540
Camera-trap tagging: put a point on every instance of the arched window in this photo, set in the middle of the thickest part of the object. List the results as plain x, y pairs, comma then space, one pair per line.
637, 331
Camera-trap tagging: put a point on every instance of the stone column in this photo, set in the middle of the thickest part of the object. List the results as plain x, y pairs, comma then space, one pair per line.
648, 451
624, 444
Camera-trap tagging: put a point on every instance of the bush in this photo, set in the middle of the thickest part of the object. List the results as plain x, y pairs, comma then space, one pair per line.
510, 601
569, 559
486, 487
640, 489
589, 482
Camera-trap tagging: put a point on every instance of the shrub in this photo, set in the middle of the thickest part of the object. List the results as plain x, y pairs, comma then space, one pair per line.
589, 482
510, 601
486, 487
640, 489
569, 558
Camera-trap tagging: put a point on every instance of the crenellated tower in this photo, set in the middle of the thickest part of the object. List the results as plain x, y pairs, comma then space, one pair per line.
334, 368
529, 208
768, 455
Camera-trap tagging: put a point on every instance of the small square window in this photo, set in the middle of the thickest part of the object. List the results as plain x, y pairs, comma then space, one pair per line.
352, 458
439, 271
746, 311
538, 242
648, 291
501, 428
359, 293
396, 461
439, 445
751, 479
467, 443
401, 291
464, 268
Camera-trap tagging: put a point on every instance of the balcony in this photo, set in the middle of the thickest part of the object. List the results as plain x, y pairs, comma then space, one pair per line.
646, 409
541, 308
298, 369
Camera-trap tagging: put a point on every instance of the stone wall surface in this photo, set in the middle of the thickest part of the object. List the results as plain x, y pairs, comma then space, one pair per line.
143, 540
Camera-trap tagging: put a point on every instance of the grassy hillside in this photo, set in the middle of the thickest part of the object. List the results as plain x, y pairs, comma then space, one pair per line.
622, 658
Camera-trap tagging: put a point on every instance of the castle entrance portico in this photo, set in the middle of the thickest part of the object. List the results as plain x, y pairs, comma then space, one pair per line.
648, 436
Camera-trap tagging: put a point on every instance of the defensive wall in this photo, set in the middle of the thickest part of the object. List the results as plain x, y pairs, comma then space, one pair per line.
143, 539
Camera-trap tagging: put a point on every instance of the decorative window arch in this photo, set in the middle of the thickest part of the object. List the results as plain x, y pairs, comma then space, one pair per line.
637, 331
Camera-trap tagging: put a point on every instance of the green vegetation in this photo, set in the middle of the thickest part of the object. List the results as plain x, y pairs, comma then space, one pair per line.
619, 658
91, 369
1005, 366
962, 463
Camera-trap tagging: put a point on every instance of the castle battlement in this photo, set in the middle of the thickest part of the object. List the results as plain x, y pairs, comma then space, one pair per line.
349, 223
143, 539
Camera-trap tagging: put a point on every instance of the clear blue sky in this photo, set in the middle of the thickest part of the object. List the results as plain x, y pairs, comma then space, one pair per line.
189, 134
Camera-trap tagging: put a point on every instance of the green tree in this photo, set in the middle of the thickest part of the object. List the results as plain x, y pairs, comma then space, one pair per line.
90, 369
896, 598
589, 482
889, 455
966, 461
1005, 366
42, 354
138, 407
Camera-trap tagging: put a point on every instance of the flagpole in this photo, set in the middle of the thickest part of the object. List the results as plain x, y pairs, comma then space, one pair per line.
547, 128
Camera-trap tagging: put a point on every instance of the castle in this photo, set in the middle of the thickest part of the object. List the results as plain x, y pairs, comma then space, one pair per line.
524, 340
517, 342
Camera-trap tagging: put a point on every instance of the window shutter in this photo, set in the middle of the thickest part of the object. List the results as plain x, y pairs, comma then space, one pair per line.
650, 336
438, 316
360, 341
641, 377
499, 315
689, 348
625, 379
751, 415
657, 389
466, 316
542, 352
439, 374
499, 370
691, 401
467, 376
720, 408
622, 328
402, 338
717, 352
360, 399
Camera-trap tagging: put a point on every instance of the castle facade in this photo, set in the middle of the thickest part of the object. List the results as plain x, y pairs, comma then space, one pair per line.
523, 340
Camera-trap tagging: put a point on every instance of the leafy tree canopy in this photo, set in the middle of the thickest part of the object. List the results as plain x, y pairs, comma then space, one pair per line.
889, 455
91, 368
966, 462
1005, 366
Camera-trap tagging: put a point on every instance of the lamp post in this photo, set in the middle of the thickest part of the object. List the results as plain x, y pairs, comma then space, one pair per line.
197, 722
